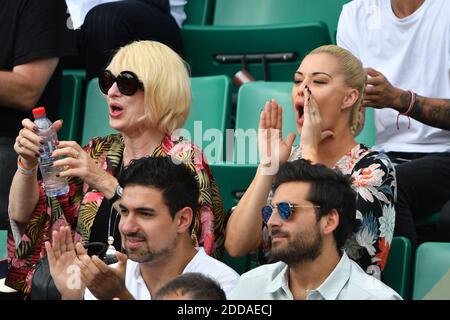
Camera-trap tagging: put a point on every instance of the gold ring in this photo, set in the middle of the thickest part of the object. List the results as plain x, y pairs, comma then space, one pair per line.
77, 154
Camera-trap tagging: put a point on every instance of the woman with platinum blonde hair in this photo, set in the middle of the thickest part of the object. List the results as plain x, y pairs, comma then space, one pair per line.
326, 94
148, 91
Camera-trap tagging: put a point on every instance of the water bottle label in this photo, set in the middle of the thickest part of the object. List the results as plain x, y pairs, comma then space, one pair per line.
48, 146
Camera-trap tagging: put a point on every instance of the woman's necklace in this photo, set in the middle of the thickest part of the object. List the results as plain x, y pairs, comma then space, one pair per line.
110, 255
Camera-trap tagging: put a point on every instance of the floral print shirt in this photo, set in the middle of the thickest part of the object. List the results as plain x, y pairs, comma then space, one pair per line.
79, 207
375, 184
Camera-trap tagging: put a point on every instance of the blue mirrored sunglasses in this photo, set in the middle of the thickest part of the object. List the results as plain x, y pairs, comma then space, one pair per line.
285, 210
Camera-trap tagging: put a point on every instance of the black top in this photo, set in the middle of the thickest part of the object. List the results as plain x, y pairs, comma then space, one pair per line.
164, 5
106, 221
31, 30
104, 218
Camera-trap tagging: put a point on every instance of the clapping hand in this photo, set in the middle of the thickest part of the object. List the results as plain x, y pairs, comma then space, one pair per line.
273, 150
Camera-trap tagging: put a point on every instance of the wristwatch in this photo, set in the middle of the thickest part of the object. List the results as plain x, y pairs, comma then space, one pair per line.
117, 194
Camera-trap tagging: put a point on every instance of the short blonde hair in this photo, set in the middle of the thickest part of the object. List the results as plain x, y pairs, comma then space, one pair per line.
167, 87
354, 75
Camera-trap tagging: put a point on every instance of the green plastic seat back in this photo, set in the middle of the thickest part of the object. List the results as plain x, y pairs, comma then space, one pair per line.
204, 45
250, 102
3, 244
428, 220
96, 115
233, 180
432, 263
368, 135
264, 12
3, 253
397, 273
198, 12
70, 108
210, 114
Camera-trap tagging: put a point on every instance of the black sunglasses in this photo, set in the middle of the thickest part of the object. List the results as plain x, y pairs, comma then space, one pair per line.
127, 82
285, 210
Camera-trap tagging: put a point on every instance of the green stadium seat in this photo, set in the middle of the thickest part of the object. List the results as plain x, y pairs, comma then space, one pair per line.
212, 50
258, 12
79, 73
368, 135
211, 104
397, 273
96, 114
428, 220
432, 263
233, 180
3, 244
250, 101
3, 253
70, 108
198, 12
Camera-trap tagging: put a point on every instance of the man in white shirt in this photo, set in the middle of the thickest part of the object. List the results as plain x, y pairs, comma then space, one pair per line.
156, 210
311, 215
405, 44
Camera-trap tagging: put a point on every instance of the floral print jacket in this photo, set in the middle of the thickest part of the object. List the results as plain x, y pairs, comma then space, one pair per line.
80, 206
375, 184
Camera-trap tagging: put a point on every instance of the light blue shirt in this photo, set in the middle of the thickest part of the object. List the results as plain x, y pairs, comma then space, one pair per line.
347, 282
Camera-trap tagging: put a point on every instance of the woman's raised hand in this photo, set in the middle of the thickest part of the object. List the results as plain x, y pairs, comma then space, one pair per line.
28, 143
312, 133
273, 150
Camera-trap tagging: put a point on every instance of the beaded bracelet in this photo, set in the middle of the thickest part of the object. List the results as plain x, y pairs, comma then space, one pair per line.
408, 111
24, 169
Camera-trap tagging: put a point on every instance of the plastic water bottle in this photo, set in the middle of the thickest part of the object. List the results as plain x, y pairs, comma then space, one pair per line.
54, 186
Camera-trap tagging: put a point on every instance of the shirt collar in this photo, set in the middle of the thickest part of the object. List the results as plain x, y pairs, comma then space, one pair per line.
135, 271
280, 281
337, 279
200, 253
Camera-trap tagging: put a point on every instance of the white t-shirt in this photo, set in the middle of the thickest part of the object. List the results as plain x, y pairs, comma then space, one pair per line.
413, 53
79, 8
201, 263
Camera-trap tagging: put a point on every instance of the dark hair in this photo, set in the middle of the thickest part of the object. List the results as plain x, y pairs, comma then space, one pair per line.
330, 189
196, 285
176, 181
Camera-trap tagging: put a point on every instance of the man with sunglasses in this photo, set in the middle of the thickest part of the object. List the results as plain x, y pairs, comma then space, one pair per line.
311, 216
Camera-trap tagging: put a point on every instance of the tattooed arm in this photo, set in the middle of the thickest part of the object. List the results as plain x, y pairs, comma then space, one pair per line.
380, 93
431, 111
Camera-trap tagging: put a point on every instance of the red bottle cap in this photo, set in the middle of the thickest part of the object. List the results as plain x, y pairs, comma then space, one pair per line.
39, 112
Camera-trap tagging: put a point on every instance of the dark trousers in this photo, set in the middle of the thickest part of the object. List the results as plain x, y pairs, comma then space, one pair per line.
423, 187
8, 166
109, 26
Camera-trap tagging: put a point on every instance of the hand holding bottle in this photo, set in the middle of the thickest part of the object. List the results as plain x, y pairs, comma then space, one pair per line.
28, 143
54, 184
